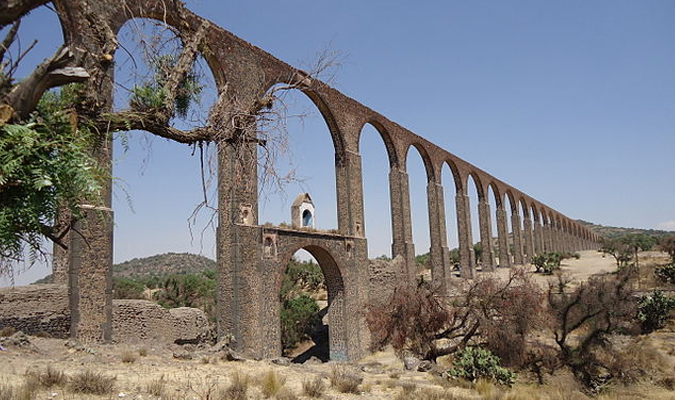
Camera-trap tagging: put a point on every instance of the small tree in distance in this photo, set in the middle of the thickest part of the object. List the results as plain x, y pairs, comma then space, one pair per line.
667, 245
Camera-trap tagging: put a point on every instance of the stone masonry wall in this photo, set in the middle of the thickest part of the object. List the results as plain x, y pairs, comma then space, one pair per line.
144, 321
36, 309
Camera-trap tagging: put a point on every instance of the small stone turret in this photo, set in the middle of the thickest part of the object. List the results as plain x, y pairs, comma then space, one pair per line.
302, 212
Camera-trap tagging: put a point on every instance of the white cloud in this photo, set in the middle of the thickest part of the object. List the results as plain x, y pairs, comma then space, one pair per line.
666, 225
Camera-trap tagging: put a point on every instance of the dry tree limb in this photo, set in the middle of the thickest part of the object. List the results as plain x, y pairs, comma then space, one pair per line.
54, 71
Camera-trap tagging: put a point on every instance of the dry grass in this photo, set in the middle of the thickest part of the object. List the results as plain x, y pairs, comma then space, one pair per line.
90, 382
238, 389
313, 388
128, 357
271, 383
486, 389
48, 378
143, 352
344, 380
156, 387
286, 394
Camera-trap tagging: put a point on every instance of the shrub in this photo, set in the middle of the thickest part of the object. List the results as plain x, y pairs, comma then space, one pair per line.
189, 290
271, 383
584, 319
666, 273
667, 245
124, 288
414, 320
298, 316
156, 387
238, 387
654, 311
313, 387
89, 382
473, 363
50, 377
285, 394
7, 331
128, 357
547, 262
345, 381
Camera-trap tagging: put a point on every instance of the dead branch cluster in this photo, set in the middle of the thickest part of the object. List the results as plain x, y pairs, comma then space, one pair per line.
541, 331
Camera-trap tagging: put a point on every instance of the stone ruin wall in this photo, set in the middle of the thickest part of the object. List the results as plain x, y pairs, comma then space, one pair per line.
45, 309
36, 309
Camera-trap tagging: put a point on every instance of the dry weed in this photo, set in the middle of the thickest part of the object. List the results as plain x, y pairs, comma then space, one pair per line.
89, 382
156, 387
286, 394
7, 331
50, 377
486, 389
345, 381
238, 388
313, 387
128, 357
270, 383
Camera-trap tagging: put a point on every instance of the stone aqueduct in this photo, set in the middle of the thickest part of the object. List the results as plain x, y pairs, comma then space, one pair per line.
251, 257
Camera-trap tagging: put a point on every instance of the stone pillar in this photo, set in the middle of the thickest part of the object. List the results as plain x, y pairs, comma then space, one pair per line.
517, 239
441, 267
401, 228
349, 190
485, 225
529, 238
555, 238
61, 255
503, 237
538, 238
238, 248
465, 239
90, 276
546, 230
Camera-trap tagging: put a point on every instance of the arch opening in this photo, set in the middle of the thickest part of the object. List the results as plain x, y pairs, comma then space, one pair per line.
300, 157
449, 194
311, 307
475, 194
418, 180
376, 166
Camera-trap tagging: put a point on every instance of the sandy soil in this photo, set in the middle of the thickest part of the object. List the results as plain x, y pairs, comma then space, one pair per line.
590, 263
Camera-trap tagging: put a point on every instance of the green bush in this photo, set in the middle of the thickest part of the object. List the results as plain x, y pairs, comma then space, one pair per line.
666, 273
298, 316
547, 262
654, 311
124, 288
473, 363
189, 290
301, 276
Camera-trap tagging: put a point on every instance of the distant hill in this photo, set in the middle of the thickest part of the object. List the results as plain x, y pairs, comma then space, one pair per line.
613, 231
158, 265
163, 264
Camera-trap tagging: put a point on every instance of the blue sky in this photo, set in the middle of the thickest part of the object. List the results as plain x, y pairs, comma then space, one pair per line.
572, 102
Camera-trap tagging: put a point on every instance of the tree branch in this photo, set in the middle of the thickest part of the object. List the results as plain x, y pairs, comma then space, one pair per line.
52, 72
133, 120
12, 10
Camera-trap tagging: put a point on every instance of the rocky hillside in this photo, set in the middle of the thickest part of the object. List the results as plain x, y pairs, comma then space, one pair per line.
158, 265
613, 231
163, 264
